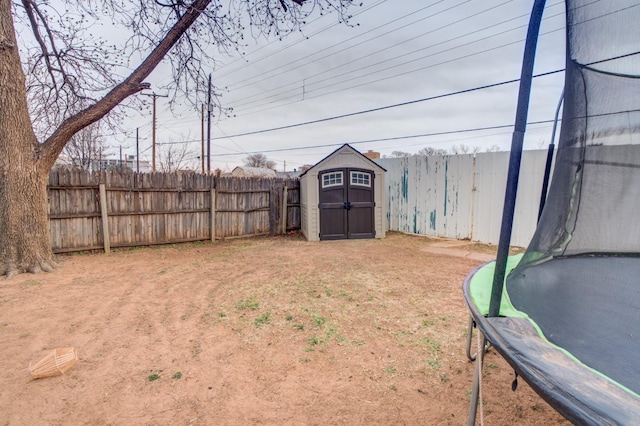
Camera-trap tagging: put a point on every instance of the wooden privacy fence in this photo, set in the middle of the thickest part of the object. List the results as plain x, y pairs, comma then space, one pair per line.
92, 211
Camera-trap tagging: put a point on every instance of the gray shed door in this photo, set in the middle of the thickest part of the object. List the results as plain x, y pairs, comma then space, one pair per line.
346, 204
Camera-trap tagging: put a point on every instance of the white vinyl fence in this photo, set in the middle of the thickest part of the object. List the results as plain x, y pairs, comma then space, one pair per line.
461, 196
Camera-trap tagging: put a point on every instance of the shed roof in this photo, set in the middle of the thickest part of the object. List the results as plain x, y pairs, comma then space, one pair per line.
344, 147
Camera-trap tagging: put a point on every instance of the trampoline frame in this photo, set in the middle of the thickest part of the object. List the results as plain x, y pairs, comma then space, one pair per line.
574, 387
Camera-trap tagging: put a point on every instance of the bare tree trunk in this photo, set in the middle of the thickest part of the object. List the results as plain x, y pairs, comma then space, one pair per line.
25, 163
54, 144
24, 227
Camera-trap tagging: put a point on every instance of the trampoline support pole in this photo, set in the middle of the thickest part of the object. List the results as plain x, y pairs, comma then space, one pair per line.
526, 77
545, 179
475, 388
547, 169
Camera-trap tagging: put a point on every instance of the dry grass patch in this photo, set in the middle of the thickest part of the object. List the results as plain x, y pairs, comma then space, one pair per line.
268, 330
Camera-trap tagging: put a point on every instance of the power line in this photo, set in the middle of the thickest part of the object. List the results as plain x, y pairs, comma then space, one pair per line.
389, 77
346, 115
231, 139
393, 138
346, 80
261, 77
369, 55
396, 75
350, 73
367, 111
336, 91
477, 88
366, 9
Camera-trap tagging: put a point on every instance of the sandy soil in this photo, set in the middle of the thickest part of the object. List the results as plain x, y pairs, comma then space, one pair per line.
255, 331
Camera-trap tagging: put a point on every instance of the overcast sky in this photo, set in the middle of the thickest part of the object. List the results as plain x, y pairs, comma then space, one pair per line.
394, 52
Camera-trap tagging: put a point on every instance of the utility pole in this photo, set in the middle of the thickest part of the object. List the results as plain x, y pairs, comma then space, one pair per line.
121, 166
137, 151
154, 95
202, 133
209, 126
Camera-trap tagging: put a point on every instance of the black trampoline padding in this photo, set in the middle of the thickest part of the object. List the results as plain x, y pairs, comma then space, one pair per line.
584, 393
569, 319
588, 306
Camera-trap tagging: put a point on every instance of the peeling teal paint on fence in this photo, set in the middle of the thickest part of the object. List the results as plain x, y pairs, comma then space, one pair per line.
404, 183
446, 183
432, 219
459, 196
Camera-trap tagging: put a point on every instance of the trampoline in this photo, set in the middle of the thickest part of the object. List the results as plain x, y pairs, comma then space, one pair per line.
566, 313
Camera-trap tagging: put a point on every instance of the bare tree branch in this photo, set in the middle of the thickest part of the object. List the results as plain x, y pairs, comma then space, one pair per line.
72, 77
259, 160
172, 158
58, 77
429, 151
86, 148
28, 6
52, 147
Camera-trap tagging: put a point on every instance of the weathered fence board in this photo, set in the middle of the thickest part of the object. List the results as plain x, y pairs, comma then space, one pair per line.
461, 196
158, 208
293, 205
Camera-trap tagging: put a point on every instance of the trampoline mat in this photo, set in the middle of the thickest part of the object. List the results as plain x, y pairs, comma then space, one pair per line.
589, 306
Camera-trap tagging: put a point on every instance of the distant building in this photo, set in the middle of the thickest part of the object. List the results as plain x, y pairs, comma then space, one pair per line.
243, 171
128, 162
371, 155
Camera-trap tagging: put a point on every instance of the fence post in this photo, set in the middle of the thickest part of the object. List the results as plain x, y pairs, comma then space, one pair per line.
275, 204
284, 209
105, 218
213, 216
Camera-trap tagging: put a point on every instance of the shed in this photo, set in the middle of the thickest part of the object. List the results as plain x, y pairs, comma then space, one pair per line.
342, 197
244, 171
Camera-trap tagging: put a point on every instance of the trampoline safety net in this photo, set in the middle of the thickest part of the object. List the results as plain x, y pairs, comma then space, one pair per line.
571, 322
579, 279
595, 197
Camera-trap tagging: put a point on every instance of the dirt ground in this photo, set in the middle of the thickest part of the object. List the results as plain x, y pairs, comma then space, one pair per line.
269, 330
